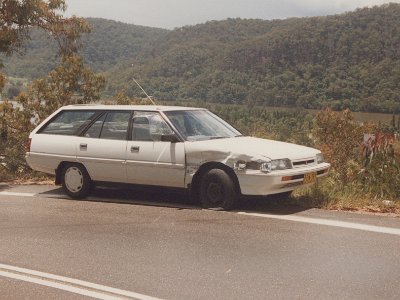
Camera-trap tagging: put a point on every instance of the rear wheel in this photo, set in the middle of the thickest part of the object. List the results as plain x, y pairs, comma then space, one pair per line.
76, 181
217, 190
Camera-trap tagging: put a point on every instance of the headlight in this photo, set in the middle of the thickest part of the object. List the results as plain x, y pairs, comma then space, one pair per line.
241, 165
266, 167
278, 164
320, 158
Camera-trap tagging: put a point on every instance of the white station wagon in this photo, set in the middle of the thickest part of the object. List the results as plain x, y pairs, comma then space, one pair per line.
180, 147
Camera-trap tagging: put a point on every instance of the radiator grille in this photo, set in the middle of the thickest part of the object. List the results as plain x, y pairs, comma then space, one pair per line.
303, 162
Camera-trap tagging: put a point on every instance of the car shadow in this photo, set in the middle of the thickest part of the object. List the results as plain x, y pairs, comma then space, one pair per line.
179, 199
150, 196
4, 186
275, 205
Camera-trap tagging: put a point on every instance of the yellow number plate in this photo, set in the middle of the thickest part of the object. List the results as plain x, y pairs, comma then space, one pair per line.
310, 177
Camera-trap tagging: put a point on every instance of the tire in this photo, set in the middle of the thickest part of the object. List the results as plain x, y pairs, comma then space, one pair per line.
76, 181
217, 190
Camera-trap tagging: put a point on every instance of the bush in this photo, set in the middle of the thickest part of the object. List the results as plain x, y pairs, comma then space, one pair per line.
357, 174
70, 83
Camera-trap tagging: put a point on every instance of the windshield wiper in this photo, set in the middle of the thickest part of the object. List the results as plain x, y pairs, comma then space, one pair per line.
216, 137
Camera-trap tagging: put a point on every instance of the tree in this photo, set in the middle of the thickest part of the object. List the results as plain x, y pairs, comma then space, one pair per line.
398, 123
121, 98
393, 122
70, 83
13, 91
18, 17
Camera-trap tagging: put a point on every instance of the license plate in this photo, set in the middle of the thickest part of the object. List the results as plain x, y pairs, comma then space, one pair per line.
310, 177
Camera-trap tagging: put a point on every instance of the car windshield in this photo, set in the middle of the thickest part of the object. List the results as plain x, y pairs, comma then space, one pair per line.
199, 125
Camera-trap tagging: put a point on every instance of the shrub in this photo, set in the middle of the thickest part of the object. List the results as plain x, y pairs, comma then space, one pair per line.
355, 173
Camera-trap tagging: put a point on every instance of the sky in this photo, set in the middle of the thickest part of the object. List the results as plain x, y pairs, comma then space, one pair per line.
177, 13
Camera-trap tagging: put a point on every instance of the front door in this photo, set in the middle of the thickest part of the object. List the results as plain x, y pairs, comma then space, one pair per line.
150, 160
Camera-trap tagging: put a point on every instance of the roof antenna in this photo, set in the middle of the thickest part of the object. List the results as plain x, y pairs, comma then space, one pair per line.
151, 100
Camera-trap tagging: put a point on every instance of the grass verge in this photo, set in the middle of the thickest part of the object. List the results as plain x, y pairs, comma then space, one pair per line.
345, 199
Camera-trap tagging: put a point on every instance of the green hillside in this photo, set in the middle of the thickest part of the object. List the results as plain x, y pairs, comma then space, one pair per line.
350, 60
109, 42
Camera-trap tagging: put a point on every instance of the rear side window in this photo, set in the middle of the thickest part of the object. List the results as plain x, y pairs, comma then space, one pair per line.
115, 126
95, 129
68, 122
111, 126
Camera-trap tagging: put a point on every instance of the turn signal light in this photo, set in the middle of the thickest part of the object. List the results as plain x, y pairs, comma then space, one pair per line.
28, 145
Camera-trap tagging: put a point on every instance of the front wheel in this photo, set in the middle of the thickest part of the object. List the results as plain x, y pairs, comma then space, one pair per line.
76, 181
217, 190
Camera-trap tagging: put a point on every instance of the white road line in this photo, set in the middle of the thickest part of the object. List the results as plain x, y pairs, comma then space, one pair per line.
59, 286
69, 284
334, 223
17, 194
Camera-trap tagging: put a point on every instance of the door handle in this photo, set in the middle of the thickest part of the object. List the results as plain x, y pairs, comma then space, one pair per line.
83, 147
135, 149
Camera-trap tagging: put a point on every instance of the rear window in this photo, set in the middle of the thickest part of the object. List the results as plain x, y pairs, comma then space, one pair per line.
68, 122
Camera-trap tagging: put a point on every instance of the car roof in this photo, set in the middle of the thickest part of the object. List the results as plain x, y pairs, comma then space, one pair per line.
128, 107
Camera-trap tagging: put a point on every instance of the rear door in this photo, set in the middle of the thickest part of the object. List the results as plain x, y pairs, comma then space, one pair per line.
55, 141
102, 147
150, 160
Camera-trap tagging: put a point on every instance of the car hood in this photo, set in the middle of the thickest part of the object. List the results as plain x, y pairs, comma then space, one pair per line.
230, 150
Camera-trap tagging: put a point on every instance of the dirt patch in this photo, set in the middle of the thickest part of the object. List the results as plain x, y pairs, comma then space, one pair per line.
395, 212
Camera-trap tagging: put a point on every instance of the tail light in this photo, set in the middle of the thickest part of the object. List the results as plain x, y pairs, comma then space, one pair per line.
28, 145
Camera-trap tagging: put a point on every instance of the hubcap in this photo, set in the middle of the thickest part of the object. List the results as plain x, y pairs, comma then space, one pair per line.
214, 192
74, 179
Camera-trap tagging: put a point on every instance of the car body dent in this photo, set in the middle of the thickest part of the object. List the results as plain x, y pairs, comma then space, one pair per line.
231, 150
275, 149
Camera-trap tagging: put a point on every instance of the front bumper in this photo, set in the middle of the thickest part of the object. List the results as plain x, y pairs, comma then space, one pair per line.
258, 183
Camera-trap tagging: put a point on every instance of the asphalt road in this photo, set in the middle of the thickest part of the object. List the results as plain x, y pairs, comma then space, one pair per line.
156, 244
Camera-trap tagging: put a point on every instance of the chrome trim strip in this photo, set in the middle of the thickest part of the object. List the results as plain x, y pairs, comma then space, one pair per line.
155, 164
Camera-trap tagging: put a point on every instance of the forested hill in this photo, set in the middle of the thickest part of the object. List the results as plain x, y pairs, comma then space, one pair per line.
109, 43
349, 60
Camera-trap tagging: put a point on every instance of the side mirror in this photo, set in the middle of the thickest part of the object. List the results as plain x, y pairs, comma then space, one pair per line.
169, 138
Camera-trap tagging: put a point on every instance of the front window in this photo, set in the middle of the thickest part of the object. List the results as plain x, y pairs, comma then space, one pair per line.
199, 125
149, 126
